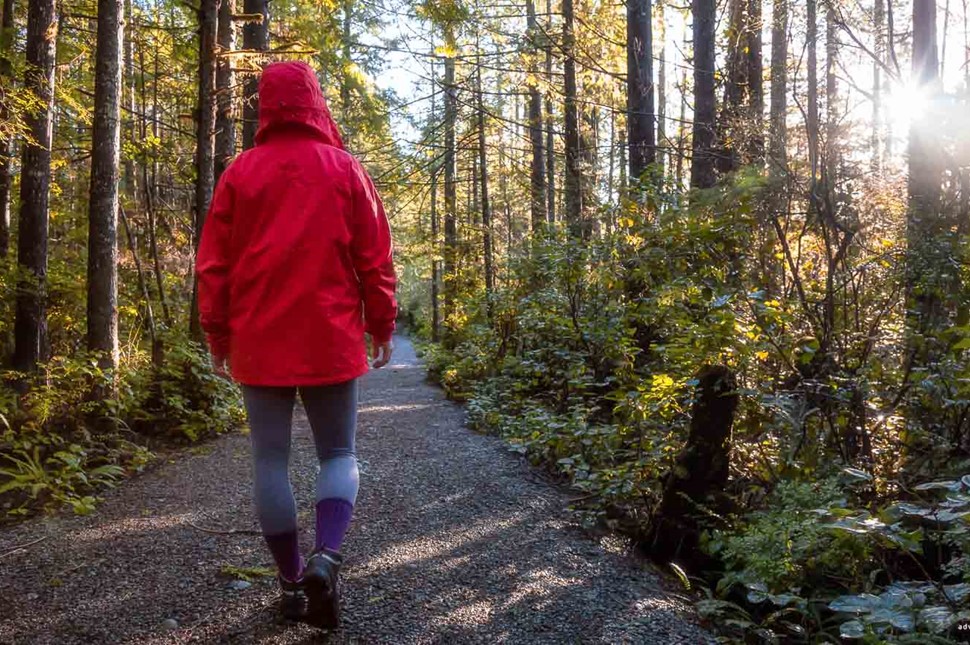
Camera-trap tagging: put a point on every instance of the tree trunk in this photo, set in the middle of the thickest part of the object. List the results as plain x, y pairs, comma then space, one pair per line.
778, 137
878, 27
550, 126
128, 99
928, 228
435, 248
755, 81
102, 307
451, 195
537, 176
225, 79
772, 273
832, 145
6, 146
30, 326
486, 208
639, 86
205, 133
699, 473
255, 37
573, 181
663, 147
812, 116
702, 174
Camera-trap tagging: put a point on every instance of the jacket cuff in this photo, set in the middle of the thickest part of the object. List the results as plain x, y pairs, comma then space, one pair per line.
218, 344
383, 335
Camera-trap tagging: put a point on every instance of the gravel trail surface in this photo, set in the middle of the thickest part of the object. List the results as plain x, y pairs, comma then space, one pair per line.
455, 540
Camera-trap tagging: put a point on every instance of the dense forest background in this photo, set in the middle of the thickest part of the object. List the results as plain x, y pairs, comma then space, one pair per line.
706, 261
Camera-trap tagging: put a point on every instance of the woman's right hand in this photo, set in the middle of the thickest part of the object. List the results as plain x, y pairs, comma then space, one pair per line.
381, 353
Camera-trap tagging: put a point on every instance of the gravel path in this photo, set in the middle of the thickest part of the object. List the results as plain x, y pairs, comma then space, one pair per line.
456, 540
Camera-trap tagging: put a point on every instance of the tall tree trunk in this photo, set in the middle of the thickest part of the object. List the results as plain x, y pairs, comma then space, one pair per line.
205, 133
451, 194
928, 228
6, 145
573, 181
103, 206
772, 272
550, 125
225, 79
755, 81
30, 326
589, 160
128, 100
778, 136
663, 147
832, 116
486, 207
537, 174
702, 174
878, 27
639, 87
812, 116
435, 247
255, 37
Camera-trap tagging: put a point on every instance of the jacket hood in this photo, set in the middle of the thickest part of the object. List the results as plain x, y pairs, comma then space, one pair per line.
290, 98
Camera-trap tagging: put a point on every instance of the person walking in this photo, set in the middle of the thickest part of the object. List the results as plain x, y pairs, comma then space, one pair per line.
294, 267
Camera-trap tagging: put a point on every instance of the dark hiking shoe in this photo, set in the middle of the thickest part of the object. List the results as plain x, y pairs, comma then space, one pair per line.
293, 599
323, 594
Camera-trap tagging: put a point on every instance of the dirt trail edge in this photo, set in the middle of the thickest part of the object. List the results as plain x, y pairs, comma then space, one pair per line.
455, 540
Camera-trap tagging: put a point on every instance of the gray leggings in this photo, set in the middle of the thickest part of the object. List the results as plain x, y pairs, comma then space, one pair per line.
332, 411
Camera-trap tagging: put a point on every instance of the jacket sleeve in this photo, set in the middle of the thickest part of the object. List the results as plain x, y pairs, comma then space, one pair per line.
372, 256
212, 266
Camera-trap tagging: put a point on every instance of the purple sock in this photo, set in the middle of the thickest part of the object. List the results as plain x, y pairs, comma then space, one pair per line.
285, 548
333, 520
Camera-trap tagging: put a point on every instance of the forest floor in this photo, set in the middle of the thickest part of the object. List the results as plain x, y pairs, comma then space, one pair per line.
455, 540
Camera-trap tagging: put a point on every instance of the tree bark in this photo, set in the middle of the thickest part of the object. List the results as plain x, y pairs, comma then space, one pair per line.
573, 181
755, 80
30, 326
537, 171
255, 37
205, 141
663, 148
639, 85
6, 146
550, 126
928, 227
451, 193
812, 116
128, 98
778, 136
878, 27
485, 205
435, 248
702, 171
832, 145
225, 79
102, 306
772, 273
700, 472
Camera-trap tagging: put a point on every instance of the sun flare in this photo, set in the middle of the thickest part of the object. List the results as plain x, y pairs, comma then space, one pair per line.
904, 104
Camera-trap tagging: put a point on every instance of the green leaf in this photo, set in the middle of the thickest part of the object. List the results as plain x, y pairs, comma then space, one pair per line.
937, 619
861, 604
953, 486
852, 629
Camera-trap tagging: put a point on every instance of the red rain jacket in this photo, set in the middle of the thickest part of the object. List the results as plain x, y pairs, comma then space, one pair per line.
295, 253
